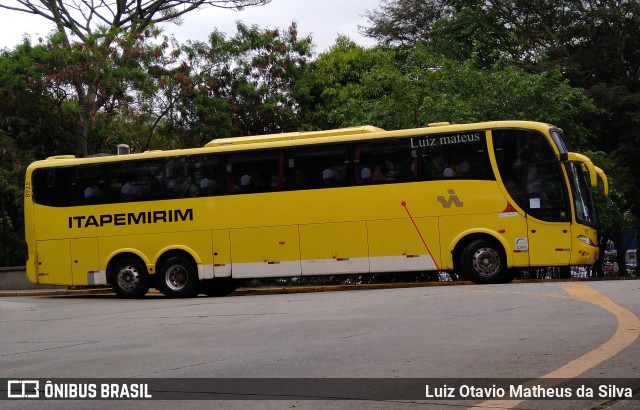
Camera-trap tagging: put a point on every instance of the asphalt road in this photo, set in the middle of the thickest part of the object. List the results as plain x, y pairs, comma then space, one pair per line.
515, 331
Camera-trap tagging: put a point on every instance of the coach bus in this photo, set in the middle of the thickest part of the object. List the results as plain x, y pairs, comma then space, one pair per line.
481, 199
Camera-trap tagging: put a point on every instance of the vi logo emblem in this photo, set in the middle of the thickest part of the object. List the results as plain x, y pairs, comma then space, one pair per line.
452, 200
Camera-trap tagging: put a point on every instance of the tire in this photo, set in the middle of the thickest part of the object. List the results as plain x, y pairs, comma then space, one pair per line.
218, 287
177, 278
483, 261
509, 276
129, 278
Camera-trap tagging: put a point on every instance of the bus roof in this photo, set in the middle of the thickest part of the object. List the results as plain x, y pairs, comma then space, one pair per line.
293, 136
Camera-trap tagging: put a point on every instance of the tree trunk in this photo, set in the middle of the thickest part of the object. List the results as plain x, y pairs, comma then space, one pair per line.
88, 101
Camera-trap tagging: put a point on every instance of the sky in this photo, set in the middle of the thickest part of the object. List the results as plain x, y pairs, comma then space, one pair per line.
323, 19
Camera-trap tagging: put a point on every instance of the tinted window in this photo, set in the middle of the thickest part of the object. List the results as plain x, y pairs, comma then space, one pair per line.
209, 175
69, 186
583, 201
180, 179
324, 166
545, 193
258, 171
51, 186
89, 185
460, 155
309, 167
385, 161
136, 181
531, 173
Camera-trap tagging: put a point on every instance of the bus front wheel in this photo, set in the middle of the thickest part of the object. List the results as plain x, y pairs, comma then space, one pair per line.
129, 278
483, 261
177, 278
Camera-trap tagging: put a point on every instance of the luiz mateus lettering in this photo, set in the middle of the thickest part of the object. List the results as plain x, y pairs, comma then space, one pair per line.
444, 140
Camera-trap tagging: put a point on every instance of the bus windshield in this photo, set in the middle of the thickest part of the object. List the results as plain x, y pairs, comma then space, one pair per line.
582, 199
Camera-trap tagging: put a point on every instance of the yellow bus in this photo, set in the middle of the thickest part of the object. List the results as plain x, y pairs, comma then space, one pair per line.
481, 199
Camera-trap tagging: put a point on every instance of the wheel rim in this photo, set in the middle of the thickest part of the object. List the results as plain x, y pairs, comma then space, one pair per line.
486, 261
128, 278
176, 277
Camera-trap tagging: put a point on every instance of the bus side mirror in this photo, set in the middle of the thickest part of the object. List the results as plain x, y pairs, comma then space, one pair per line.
572, 156
605, 181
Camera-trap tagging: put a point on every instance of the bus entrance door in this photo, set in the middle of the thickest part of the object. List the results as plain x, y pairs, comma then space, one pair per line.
549, 243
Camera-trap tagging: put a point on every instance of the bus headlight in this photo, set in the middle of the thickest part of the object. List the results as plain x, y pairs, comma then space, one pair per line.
586, 240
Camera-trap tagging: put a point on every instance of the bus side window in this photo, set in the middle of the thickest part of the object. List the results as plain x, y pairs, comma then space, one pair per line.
51, 186
454, 157
180, 174
132, 181
325, 166
209, 175
89, 185
385, 161
257, 171
391, 161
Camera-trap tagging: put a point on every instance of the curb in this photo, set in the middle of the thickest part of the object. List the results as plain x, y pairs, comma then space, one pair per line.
297, 289
55, 292
241, 291
340, 288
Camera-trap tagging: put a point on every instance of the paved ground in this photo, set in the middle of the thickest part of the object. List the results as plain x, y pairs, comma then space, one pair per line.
519, 331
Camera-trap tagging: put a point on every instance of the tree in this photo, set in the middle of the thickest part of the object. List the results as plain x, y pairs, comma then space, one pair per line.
409, 88
245, 85
94, 37
34, 123
404, 22
344, 84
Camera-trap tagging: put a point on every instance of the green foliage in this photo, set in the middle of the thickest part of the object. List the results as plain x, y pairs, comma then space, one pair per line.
33, 113
346, 83
32, 123
13, 163
471, 34
395, 89
106, 76
404, 22
245, 85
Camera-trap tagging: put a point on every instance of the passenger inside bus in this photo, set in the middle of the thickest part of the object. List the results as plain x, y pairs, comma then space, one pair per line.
93, 195
130, 191
378, 175
365, 175
179, 185
246, 183
329, 178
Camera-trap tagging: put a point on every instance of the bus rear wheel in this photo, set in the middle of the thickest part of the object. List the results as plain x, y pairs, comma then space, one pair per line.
177, 278
483, 261
129, 278
218, 287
